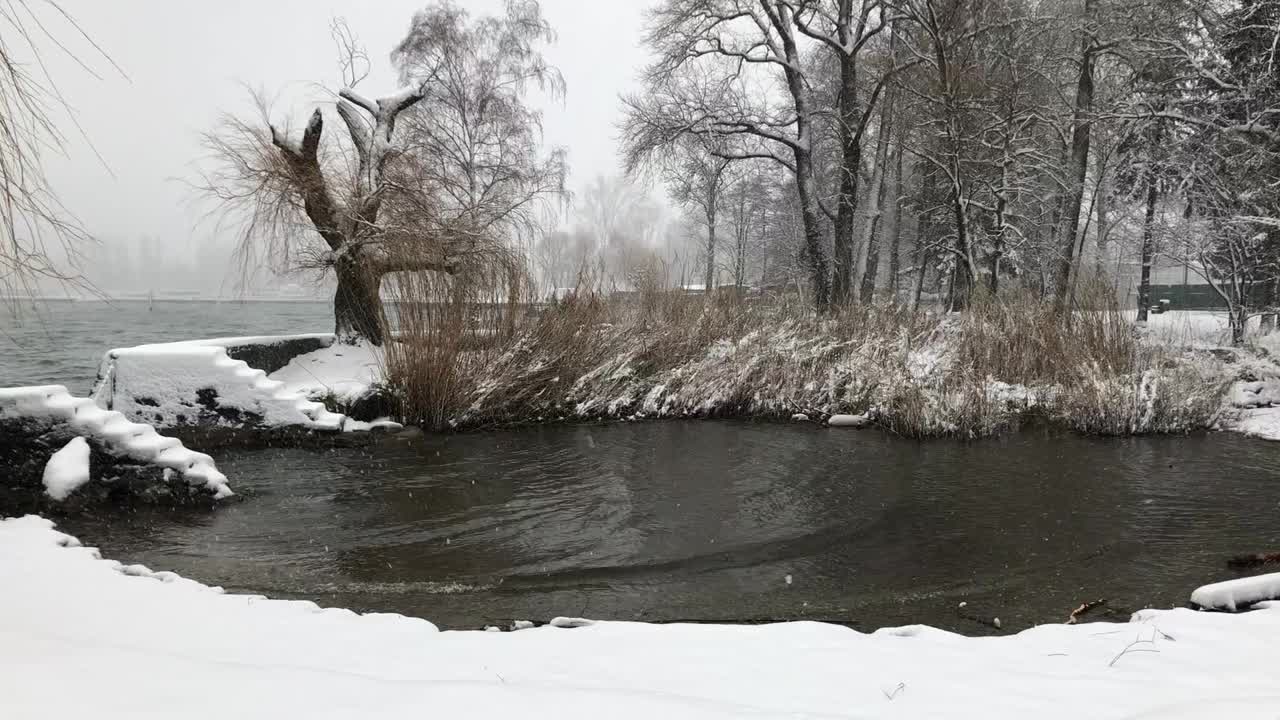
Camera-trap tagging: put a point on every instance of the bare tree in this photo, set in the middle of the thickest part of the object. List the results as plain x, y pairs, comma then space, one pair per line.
1078, 166
730, 39
282, 182
439, 190
697, 178
845, 28
472, 138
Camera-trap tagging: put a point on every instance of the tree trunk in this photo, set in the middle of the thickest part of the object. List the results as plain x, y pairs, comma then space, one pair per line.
1103, 214
847, 200
998, 237
924, 228
1239, 316
357, 305
1267, 324
797, 85
815, 253
922, 261
709, 277
1082, 124
961, 284
962, 276
895, 233
1148, 248
879, 181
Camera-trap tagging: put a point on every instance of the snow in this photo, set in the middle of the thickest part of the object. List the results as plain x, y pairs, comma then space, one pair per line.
1263, 423
119, 435
67, 469
1234, 594
1189, 328
163, 383
241, 340
84, 637
379, 425
343, 371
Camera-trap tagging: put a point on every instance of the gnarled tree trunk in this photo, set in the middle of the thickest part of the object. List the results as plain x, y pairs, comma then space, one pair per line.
357, 304
356, 239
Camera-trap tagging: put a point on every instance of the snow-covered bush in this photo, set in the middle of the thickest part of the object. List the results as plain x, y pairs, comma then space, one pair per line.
1172, 395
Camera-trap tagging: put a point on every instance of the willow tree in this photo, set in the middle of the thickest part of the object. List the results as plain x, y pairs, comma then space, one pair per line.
40, 240
401, 191
307, 203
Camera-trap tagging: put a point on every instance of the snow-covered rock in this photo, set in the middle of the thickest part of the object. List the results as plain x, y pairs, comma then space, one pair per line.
853, 421
198, 382
32, 418
67, 469
1233, 595
82, 637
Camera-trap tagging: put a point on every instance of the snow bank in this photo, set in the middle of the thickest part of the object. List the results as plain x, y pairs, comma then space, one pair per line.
344, 372
1235, 594
83, 637
1189, 328
52, 404
194, 382
67, 469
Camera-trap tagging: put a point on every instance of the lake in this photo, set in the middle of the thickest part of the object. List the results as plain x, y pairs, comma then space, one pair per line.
62, 343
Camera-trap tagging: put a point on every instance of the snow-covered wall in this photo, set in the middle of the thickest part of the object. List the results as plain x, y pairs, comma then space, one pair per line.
199, 382
46, 416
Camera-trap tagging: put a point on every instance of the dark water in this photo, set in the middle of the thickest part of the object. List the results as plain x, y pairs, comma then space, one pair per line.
706, 520
62, 342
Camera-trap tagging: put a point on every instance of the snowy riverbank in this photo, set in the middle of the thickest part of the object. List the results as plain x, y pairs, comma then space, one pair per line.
914, 374
84, 637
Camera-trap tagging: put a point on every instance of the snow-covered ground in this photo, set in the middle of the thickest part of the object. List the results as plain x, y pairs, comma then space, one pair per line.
1191, 327
82, 637
342, 371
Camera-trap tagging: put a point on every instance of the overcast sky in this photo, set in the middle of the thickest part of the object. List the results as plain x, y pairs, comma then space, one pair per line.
188, 61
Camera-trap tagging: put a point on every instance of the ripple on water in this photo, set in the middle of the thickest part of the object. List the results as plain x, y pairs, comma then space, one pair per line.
707, 521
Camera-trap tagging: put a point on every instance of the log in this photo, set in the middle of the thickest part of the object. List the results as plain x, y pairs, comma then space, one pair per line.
1084, 609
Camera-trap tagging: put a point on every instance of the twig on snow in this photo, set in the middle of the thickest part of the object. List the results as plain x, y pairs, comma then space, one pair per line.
1133, 647
891, 695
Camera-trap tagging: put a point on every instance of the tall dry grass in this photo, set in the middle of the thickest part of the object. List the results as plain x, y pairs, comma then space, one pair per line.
447, 327
1022, 338
475, 351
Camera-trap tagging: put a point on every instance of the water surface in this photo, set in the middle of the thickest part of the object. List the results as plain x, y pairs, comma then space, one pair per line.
61, 343
725, 521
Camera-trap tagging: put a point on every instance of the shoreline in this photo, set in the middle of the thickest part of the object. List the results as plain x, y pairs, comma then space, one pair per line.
69, 613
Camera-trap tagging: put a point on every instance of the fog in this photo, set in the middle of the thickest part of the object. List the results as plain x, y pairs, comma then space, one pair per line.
134, 140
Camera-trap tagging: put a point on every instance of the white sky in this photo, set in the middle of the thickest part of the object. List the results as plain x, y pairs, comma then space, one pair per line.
187, 61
